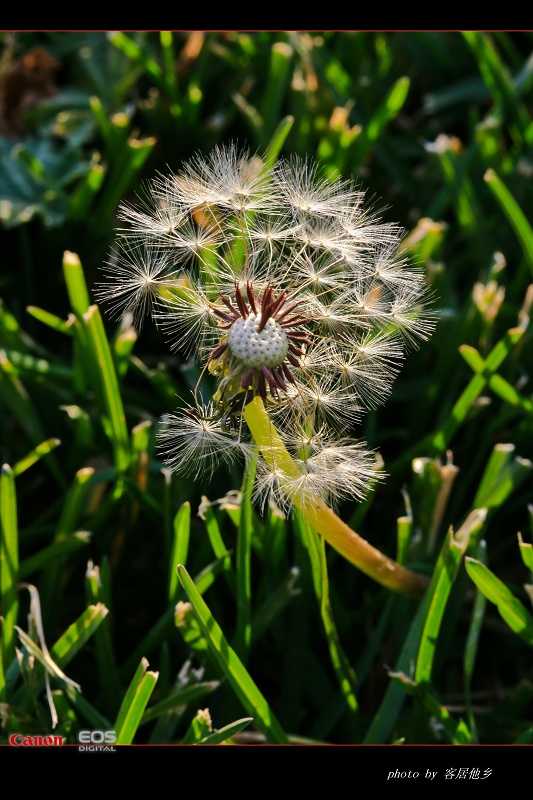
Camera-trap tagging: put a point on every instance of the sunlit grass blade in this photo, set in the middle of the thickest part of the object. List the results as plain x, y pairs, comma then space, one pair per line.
223, 734
140, 442
231, 666
134, 703
278, 140
111, 393
78, 634
511, 609
502, 476
34, 455
513, 212
122, 348
200, 727
180, 547
440, 439
50, 320
387, 111
526, 551
84, 196
496, 382
337, 142
169, 70
444, 574
76, 286
9, 564
217, 543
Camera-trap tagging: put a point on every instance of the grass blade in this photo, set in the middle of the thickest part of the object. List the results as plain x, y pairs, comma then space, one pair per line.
471, 646
316, 549
9, 563
513, 212
243, 560
53, 553
180, 548
134, 703
101, 354
105, 657
511, 609
181, 697
444, 575
34, 455
76, 286
225, 733
231, 666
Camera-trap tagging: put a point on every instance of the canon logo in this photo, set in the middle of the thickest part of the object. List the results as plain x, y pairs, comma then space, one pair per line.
20, 740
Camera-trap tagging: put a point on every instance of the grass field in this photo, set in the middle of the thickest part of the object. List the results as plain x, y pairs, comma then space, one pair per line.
267, 632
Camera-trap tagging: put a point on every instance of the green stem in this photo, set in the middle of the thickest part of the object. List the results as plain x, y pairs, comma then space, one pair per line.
243, 564
339, 535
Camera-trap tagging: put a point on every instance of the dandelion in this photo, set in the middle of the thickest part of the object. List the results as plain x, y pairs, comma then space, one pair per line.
293, 300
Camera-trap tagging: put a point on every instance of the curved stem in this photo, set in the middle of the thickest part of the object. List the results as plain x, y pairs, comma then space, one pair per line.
336, 532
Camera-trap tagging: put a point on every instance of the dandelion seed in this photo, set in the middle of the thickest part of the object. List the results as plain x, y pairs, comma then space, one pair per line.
193, 443
136, 276
283, 287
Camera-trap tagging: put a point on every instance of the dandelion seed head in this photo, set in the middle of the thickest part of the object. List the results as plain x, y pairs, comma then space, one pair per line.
281, 284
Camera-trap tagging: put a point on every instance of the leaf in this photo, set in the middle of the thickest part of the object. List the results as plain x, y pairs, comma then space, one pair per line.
511, 609
231, 666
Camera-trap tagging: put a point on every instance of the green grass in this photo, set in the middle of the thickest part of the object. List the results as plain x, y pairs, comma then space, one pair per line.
264, 633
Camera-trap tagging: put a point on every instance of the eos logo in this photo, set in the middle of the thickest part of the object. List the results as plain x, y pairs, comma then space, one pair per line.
96, 741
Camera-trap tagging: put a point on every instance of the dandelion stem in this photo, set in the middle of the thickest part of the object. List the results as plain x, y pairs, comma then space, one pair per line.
336, 532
